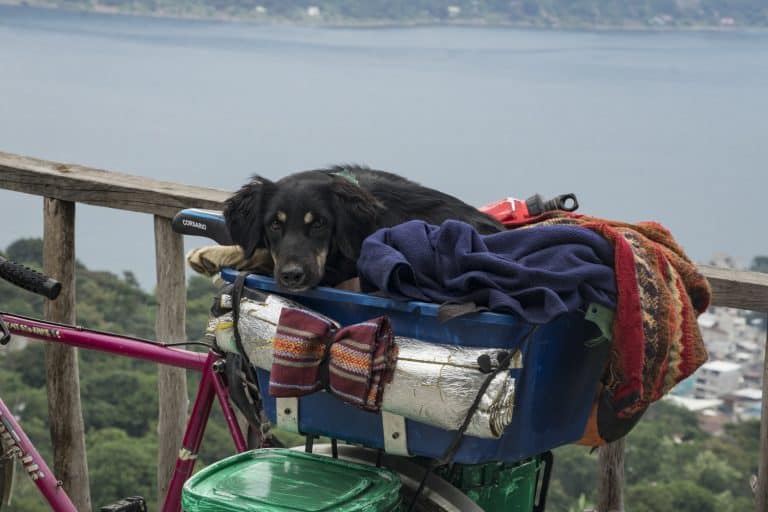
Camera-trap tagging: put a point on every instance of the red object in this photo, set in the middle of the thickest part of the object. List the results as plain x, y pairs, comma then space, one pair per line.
515, 212
508, 211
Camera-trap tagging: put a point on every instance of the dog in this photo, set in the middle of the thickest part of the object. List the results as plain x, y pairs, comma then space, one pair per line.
313, 223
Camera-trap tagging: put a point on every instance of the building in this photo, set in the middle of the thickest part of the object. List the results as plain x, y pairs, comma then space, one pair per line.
717, 378
743, 404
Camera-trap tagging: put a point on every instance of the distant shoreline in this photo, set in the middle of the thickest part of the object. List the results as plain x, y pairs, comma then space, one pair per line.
353, 24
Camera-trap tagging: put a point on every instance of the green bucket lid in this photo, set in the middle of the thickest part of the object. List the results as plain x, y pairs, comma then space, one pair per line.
280, 480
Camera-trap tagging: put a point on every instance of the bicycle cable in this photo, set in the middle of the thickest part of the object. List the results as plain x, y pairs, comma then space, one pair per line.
108, 333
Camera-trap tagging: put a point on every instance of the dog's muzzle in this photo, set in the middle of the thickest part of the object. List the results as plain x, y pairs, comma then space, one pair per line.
292, 276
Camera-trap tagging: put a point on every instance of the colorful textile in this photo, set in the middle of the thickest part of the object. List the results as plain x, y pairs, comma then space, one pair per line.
657, 342
310, 354
537, 274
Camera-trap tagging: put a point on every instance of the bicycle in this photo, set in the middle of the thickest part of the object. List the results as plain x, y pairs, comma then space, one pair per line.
442, 490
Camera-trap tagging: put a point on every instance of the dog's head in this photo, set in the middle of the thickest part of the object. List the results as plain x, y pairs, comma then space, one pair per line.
309, 221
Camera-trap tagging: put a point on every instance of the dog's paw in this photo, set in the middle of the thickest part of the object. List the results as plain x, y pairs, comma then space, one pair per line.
211, 259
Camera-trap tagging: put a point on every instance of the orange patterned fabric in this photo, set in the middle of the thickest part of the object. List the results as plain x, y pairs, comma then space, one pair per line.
656, 338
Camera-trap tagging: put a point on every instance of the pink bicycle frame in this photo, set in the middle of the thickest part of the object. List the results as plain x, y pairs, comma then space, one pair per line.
211, 384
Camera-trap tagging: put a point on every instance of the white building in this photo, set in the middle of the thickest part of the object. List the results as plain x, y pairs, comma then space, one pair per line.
744, 404
717, 378
695, 404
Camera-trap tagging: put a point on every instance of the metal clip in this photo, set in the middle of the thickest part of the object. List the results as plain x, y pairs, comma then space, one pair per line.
395, 437
288, 413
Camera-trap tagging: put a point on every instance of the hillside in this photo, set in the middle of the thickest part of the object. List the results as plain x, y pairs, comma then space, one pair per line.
632, 14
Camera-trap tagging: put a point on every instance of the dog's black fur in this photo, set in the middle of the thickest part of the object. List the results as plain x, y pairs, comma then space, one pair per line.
314, 222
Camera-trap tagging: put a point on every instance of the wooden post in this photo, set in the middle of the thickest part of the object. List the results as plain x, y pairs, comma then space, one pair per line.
610, 484
170, 326
761, 492
61, 368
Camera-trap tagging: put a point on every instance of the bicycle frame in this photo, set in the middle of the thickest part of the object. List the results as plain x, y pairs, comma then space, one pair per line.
211, 384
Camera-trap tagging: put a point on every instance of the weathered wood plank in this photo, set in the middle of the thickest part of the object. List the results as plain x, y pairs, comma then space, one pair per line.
761, 492
103, 188
61, 368
170, 326
737, 288
610, 478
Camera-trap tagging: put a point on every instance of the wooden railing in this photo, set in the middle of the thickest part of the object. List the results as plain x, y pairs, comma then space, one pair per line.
64, 185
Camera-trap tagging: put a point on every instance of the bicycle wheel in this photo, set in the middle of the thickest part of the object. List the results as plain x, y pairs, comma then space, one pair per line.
438, 495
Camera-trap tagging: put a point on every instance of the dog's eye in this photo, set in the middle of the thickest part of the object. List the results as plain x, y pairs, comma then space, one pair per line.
319, 222
275, 225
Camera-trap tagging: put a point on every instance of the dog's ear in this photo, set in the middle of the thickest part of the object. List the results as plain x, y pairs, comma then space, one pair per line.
244, 214
357, 214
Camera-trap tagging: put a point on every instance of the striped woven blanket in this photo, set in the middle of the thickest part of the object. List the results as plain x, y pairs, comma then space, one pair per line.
353, 363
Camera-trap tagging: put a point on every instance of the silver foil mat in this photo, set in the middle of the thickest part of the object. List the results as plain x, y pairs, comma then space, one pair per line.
433, 383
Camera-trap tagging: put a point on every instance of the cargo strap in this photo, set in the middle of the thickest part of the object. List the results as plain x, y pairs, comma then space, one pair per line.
243, 384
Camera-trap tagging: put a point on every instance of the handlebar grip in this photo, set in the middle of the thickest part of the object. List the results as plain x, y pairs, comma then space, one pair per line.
29, 279
537, 205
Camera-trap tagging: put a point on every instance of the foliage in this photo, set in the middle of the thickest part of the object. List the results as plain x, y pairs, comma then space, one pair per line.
671, 465
127, 465
555, 13
200, 291
759, 264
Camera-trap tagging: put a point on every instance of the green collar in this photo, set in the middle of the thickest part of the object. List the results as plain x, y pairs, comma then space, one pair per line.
347, 175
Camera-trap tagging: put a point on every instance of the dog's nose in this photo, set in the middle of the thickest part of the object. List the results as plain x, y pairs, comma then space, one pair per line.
292, 276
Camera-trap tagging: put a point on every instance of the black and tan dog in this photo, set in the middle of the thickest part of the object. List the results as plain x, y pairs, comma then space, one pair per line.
313, 223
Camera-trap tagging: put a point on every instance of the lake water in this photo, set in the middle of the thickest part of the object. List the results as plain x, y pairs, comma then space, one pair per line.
641, 126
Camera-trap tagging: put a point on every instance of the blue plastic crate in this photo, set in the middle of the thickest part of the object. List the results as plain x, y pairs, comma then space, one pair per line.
555, 387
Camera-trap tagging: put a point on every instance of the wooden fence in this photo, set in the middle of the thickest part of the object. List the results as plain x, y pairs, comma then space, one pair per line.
64, 185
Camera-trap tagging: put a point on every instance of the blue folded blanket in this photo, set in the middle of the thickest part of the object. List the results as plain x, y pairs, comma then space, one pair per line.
538, 272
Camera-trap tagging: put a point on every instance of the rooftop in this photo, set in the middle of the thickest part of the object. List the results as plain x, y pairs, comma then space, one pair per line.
694, 404
748, 393
720, 366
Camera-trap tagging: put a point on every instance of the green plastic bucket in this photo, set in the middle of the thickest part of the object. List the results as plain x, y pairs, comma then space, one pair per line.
281, 480
497, 485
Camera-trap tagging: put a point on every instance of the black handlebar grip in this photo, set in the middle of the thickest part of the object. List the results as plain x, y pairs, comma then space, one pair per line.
29, 279
537, 205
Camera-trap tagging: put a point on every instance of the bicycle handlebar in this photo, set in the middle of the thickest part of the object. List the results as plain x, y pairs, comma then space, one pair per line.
29, 279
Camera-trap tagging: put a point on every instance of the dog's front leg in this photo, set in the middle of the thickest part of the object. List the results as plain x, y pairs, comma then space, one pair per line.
211, 259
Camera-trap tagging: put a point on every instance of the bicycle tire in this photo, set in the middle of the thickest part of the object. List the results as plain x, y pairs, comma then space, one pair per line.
438, 495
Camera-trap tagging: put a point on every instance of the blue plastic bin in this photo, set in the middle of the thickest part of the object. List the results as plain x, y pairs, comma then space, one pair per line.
554, 391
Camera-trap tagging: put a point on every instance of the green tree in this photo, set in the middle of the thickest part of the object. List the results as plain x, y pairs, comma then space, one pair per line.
28, 251
759, 264
126, 466
123, 399
200, 292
